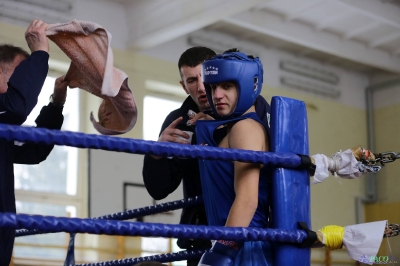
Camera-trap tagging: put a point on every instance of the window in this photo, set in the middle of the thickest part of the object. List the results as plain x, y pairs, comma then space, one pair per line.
56, 178
154, 113
58, 173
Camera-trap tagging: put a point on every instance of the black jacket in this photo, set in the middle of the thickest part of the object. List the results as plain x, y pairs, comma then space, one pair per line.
162, 176
15, 105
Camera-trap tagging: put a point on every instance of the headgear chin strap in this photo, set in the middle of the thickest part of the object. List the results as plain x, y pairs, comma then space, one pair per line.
245, 71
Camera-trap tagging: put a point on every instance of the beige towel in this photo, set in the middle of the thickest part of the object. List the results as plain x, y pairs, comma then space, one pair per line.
87, 44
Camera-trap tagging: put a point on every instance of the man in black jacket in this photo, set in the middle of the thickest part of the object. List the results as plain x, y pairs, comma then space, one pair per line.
162, 175
21, 79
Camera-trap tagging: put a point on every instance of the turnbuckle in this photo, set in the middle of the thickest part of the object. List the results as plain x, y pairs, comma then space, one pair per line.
392, 230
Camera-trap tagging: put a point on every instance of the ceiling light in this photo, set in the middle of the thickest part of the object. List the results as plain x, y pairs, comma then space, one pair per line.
310, 72
311, 87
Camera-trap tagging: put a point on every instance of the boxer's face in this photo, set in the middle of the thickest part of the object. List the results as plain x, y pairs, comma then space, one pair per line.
224, 95
6, 70
193, 85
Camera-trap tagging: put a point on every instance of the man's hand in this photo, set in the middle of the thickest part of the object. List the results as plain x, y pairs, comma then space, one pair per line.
35, 36
199, 116
60, 91
172, 134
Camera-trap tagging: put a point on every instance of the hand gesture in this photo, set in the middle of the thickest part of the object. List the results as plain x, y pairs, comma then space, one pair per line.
35, 36
172, 134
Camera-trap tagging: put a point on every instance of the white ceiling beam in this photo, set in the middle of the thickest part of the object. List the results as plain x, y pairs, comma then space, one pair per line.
304, 8
247, 35
220, 42
375, 10
263, 5
216, 26
331, 61
331, 20
26, 13
305, 36
358, 31
396, 52
384, 40
60, 6
304, 52
176, 18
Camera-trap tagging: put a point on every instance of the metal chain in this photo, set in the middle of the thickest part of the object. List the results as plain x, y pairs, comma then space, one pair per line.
383, 158
394, 230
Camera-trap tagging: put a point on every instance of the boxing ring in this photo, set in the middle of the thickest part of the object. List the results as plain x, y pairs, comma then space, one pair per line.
290, 204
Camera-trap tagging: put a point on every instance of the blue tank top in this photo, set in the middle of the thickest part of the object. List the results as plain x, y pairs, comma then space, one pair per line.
217, 178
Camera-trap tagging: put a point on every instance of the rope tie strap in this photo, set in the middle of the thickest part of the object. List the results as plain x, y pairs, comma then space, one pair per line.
334, 163
306, 163
312, 237
332, 236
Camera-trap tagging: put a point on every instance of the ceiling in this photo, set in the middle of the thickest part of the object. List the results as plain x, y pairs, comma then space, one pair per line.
357, 34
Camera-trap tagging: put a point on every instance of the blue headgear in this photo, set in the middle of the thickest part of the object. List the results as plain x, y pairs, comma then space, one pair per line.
245, 71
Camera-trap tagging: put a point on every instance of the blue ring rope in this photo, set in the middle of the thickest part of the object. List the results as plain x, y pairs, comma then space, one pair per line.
131, 214
149, 210
81, 140
168, 257
110, 227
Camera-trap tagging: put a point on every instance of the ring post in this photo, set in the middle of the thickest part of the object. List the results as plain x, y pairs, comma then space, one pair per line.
290, 187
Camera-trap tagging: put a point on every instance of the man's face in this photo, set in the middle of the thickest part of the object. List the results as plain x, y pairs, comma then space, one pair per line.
7, 71
193, 85
225, 97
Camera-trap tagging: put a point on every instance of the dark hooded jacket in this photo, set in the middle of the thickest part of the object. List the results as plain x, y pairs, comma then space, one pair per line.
16, 104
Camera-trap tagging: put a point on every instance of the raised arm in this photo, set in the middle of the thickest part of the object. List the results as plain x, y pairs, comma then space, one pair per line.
26, 81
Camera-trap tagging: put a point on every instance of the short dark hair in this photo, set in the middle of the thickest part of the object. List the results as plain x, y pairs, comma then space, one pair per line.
194, 56
8, 53
232, 50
